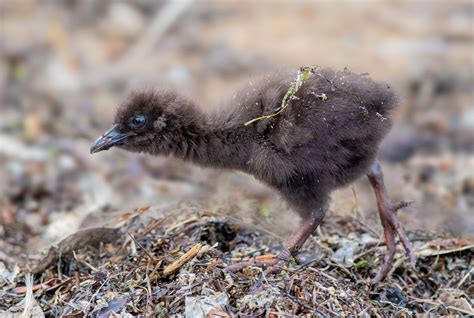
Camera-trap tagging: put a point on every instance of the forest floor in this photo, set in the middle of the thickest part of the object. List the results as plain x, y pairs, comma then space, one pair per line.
171, 260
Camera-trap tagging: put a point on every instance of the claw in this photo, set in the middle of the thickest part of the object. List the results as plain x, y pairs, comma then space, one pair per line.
308, 226
259, 261
272, 263
402, 204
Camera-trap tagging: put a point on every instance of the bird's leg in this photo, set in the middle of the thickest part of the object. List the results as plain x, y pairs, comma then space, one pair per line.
390, 222
308, 226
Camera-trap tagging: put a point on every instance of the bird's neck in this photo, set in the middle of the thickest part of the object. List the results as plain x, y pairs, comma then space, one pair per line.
203, 139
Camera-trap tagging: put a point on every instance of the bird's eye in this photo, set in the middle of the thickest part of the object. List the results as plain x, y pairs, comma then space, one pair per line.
137, 121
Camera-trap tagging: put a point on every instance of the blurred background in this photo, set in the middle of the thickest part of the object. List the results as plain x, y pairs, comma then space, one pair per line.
66, 65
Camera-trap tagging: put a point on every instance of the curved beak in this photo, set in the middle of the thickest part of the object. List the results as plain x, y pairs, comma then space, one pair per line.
109, 139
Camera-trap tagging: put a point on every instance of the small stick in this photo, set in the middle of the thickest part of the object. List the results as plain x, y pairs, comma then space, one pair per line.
182, 259
465, 277
356, 206
142, 247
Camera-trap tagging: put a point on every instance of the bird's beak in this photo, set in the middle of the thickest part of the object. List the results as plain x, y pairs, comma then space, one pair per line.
109, 139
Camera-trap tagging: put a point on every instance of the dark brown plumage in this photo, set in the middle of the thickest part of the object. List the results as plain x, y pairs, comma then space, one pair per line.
326, 138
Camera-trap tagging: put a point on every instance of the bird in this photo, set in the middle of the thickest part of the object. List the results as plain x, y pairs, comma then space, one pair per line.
304, 133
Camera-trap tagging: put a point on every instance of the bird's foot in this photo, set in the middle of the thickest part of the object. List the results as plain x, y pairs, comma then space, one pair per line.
271, 263
265, 261
392, 228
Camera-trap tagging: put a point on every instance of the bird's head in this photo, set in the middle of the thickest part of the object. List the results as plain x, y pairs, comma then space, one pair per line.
140, 122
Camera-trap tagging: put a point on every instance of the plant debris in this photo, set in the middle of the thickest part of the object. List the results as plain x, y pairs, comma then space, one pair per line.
182, 259
116, 277
91, 236
303, 74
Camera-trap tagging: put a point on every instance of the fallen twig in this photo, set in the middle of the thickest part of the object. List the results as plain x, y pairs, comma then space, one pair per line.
143, 248
182, 259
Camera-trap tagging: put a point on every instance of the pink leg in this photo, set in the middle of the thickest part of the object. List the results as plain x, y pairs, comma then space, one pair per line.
390, 222
308, 226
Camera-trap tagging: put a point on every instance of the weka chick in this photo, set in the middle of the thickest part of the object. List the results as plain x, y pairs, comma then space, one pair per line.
325, 137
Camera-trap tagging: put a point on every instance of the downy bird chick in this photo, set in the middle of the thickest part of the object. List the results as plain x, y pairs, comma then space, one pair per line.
304, 137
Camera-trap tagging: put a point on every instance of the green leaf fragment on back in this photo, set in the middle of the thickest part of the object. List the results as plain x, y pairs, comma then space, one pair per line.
303, 74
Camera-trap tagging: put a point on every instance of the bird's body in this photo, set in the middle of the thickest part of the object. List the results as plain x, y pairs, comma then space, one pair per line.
326, 137
314, 146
